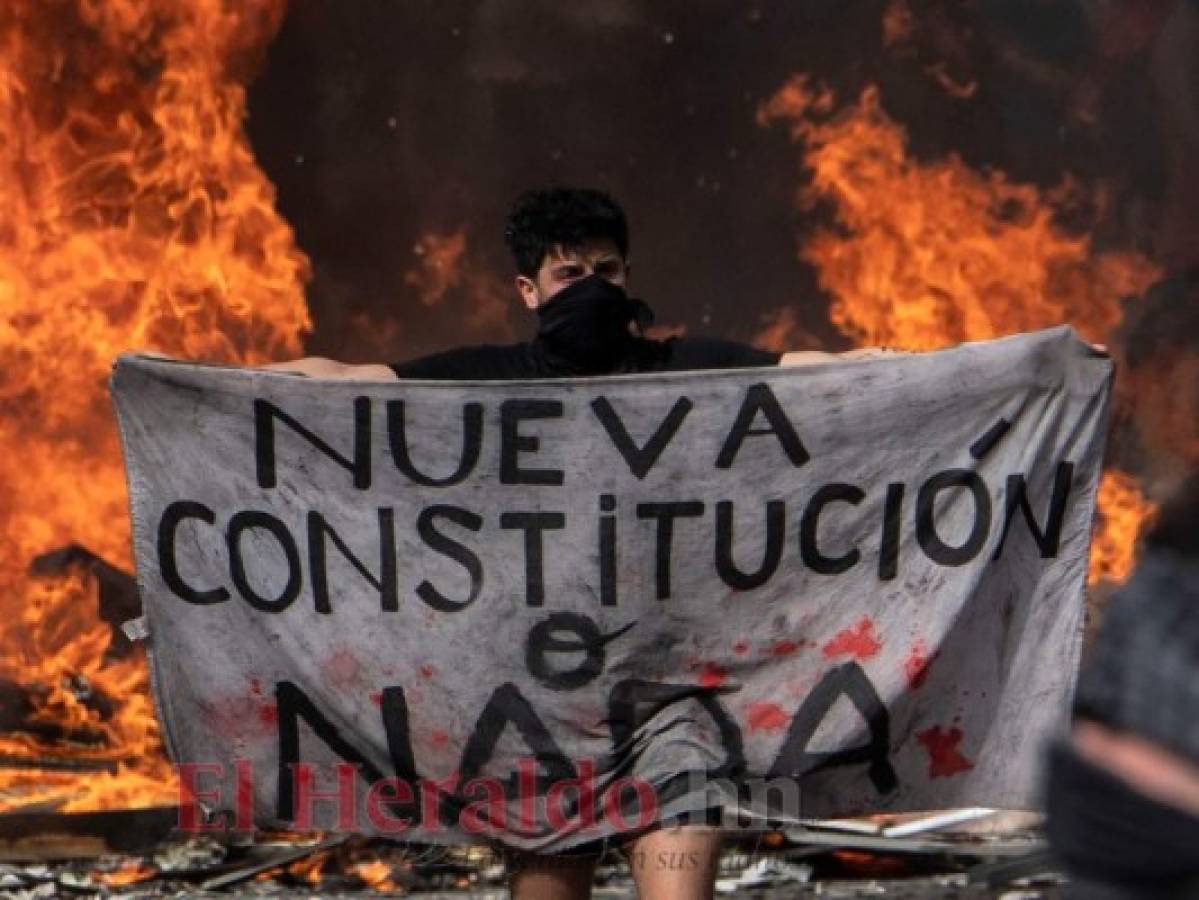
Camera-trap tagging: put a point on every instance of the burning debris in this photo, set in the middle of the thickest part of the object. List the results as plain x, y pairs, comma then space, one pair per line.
854, 858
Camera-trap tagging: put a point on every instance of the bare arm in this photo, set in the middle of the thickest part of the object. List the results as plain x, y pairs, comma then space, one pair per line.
331, 369
817, 357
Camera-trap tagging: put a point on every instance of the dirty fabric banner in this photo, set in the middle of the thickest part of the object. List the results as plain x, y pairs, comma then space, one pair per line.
552, 611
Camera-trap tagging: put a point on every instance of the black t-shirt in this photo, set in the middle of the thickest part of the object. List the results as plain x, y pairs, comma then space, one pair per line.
497, 362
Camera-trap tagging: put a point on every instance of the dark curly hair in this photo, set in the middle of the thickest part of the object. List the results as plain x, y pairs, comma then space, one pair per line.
561, 216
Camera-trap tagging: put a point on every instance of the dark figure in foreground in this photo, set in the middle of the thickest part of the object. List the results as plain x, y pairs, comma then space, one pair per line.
1123, 797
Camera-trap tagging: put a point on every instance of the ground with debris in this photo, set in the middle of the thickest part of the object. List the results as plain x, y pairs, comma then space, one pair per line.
78, 856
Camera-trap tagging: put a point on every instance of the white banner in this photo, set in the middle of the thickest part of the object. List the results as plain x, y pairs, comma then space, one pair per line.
552, 611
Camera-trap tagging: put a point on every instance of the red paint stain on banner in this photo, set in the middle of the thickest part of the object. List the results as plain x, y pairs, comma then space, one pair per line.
741, 647
799, 687
767, 717
917, 663
342, 667
238, 718
256, 687
440, 738
858, 641
944, 757
377, 698
713, 675
784, 648
427, 671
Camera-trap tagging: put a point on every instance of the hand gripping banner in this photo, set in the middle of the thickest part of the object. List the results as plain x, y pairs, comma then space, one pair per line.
547, 612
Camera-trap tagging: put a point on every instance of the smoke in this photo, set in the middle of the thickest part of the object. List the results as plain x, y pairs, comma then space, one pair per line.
1157, 357
383, 123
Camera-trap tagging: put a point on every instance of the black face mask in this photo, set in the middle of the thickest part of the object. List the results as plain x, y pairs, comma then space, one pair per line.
584, 328
1105, 830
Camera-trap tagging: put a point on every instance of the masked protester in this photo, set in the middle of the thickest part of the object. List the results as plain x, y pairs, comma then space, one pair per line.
1123, 791
571, 253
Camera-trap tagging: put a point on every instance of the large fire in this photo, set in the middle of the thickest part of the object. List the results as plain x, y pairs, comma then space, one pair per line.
924, 255
134, 216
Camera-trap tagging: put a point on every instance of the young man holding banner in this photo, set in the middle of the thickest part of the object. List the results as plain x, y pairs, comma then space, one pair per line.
571, 252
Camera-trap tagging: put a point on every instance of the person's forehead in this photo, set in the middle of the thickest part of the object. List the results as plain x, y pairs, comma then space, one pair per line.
587, 251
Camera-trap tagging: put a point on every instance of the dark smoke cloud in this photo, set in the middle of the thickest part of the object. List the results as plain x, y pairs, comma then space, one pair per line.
380, 121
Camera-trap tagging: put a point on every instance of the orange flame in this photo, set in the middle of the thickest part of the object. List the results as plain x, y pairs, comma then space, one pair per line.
376, 875
309, 869
444, 265
134, 217
925, 255
959, 90
439, 265
312, 868
129, 872
898, 23
782, 331
1122, 511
